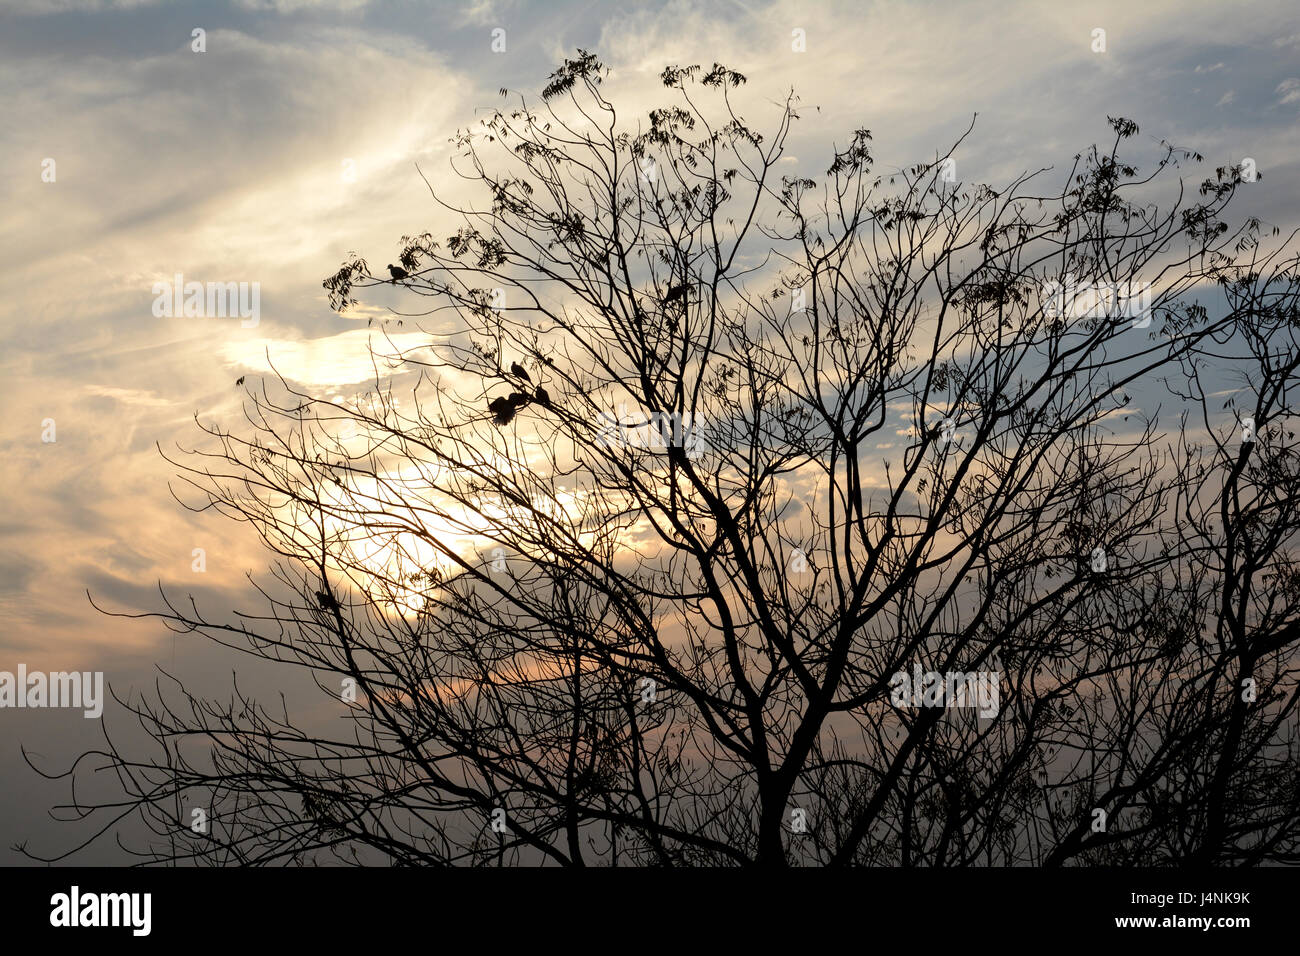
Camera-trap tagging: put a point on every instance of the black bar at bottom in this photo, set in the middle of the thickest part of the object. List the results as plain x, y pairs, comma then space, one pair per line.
337, 906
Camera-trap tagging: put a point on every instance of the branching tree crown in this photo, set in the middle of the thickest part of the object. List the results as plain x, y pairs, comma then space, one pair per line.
702, 460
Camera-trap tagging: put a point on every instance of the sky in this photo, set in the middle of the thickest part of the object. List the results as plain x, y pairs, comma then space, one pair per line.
292, 140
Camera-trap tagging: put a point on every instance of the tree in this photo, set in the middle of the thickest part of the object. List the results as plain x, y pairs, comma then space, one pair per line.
820, 530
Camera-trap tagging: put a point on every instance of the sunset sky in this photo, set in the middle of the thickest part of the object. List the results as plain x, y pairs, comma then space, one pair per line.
232, 165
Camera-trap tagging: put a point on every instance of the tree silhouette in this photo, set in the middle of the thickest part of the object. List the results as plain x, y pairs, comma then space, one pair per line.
785, 439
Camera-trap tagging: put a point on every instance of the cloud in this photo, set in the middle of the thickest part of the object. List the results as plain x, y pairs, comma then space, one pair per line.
224, 166
293, 6
128, 396
485, 13
48, 7
329, 362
